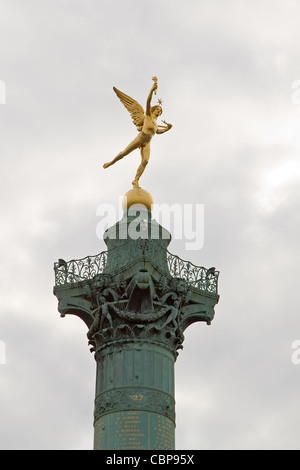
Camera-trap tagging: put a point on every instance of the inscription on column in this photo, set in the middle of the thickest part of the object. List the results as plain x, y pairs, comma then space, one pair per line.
163, 433
130, 431
134, 430
100, 434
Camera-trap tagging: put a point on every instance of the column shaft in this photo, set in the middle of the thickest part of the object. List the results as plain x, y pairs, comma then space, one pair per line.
134, 405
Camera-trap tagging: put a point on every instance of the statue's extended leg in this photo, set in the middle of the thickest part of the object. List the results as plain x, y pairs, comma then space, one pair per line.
132, 146
145, 153
118, 157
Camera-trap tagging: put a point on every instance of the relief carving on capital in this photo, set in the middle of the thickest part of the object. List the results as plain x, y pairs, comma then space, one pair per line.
140, 309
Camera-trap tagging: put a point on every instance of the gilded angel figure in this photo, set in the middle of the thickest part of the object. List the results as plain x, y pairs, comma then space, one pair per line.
146, 123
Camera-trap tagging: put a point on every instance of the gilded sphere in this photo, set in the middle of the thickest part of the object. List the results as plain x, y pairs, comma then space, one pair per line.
137, 196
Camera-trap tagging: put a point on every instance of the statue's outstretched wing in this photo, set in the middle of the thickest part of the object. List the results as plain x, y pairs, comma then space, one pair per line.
135, 109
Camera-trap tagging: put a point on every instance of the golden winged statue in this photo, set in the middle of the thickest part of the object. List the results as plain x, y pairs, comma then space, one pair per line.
146, 123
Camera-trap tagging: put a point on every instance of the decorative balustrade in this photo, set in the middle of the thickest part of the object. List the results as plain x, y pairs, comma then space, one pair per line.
205, 280
80, 269
199, 277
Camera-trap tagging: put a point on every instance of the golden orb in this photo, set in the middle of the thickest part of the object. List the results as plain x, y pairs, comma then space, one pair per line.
137, 196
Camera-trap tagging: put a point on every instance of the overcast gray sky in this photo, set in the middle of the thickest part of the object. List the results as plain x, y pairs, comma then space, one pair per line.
228, 74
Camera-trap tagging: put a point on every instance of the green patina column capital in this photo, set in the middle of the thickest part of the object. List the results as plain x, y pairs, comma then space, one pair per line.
136, 299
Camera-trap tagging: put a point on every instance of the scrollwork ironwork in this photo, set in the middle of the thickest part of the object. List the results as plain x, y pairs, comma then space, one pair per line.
79, 270
198, 277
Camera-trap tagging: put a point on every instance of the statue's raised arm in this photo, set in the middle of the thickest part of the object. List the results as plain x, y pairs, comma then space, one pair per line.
146, 123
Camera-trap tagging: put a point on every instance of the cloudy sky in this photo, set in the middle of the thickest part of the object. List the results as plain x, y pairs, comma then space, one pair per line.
228, 75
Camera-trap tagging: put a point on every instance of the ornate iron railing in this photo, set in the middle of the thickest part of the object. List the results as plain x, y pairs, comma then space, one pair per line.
80, 269
197, 276
74, 271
